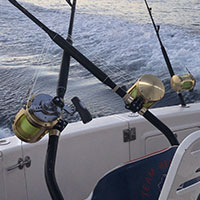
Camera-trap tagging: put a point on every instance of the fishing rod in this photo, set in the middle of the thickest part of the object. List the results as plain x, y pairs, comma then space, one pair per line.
181, 80
133, 102
64, 69
50, 161
43, 114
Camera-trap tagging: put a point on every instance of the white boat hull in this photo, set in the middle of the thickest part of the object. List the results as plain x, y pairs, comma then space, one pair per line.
86, 152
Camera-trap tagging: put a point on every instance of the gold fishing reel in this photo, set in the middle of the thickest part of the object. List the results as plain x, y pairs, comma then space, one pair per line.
36, 119
149, 89
184, 82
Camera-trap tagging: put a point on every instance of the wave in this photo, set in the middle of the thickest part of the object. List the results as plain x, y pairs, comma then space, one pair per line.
124, 49
5, 132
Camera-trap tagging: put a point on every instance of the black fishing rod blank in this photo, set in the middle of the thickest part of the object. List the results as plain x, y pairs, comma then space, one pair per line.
65, 63
164, 52
50, 161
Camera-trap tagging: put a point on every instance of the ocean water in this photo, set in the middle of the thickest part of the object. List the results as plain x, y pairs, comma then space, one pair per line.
116, 35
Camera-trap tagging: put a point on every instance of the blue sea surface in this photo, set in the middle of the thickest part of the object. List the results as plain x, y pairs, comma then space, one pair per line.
116, 35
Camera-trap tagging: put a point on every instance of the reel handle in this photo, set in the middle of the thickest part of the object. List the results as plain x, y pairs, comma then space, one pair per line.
82, 110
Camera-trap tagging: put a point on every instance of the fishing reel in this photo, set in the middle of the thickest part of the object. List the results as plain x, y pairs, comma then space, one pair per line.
184, 82
43, 114
144, 93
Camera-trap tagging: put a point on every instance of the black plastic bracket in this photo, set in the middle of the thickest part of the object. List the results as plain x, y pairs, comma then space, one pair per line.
136, 105
61, 125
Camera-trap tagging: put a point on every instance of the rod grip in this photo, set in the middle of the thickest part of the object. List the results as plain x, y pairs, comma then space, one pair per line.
50, 168
162, 127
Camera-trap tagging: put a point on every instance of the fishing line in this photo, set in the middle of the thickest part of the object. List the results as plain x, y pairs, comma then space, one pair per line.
37, 72
164, 52
123, 76
45, 50
95, 57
